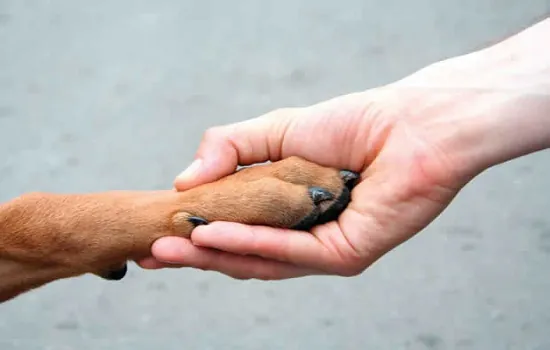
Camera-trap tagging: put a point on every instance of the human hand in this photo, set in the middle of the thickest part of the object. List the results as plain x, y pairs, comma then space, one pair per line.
416, 143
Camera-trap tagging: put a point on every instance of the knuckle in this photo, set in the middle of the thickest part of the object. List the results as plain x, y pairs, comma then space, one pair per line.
214, 133
266, 276
280, 112
206, 264
204, 267
350, 269
261, 273
268, 273
239, 276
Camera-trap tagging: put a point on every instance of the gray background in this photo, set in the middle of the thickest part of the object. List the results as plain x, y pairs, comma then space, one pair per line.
98, 95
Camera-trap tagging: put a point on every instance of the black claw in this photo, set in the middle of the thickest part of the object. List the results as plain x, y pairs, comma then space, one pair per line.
350, 178
117, 275
197, 220
336, 208
319, 195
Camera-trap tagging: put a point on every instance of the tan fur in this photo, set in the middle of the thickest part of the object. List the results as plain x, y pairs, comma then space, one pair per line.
45, 237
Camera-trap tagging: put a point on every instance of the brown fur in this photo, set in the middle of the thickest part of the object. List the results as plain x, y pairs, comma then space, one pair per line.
45, 237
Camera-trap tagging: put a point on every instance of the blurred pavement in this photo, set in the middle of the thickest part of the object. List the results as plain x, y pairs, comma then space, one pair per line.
98, 95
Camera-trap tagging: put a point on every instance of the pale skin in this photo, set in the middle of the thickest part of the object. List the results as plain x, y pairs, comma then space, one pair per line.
416, 142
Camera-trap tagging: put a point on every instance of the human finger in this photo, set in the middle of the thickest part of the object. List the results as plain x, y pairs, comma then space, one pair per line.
177, 251
223, 148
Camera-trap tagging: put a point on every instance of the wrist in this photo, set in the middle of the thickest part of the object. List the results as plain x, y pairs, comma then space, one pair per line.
487, 107
498, 126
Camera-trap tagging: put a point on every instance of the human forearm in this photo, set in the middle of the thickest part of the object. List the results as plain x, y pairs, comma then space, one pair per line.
487, 107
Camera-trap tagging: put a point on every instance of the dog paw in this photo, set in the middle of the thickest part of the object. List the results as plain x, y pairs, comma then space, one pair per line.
121, 226
292, 193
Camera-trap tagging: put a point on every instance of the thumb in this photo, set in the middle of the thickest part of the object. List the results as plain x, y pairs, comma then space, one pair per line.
223, 148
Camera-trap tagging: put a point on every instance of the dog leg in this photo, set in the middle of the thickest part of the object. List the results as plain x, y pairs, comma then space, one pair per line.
45, 237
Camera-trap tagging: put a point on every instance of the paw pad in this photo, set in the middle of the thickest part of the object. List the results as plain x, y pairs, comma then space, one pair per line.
117, 274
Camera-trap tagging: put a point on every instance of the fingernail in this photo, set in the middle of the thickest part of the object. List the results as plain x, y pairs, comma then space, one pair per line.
191, 171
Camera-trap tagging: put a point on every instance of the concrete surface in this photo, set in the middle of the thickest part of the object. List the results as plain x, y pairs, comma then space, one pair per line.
116, 94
